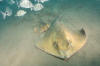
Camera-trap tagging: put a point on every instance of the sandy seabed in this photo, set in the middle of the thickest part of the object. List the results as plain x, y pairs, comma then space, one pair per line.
18, 39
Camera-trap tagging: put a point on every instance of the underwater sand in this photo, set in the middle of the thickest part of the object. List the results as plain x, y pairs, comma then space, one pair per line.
18, 39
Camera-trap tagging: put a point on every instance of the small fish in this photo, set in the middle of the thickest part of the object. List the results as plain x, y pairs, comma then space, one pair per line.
1, 0
11, 2
42, 1
7, 12
26, 4
20, 13
38, 7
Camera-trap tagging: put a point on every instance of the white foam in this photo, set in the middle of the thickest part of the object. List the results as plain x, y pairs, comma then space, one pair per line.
20, 13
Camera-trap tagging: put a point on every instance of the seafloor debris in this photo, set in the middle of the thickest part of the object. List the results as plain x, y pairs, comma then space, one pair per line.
20, 13
35, 29
42, 28
61, 42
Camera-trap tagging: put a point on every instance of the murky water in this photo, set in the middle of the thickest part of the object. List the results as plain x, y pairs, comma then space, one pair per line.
18, 39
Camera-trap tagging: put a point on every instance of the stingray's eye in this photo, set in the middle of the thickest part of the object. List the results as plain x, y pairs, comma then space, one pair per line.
55, 44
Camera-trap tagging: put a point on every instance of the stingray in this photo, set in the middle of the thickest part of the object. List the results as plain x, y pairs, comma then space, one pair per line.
61, 42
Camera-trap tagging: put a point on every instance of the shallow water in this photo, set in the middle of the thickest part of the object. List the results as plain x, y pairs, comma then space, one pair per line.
18, 39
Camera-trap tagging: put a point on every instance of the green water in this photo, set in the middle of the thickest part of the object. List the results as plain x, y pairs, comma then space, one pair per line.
17, 38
